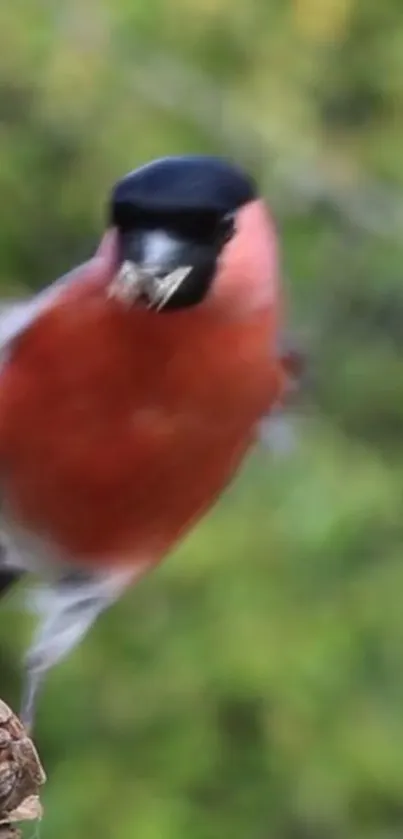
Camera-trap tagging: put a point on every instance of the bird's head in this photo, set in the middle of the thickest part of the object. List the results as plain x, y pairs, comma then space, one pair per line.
188, 227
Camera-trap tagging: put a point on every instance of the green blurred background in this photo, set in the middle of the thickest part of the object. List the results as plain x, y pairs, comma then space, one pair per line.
251, 688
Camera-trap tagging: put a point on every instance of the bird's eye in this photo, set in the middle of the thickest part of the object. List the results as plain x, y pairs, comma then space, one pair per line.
226, 228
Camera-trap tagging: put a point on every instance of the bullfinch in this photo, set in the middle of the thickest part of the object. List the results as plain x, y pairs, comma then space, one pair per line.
131, 390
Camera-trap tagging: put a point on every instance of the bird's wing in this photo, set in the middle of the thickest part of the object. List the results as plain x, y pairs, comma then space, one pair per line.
277, 430
14, 316
17, 315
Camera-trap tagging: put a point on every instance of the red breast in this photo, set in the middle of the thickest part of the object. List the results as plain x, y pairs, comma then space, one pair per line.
121, 426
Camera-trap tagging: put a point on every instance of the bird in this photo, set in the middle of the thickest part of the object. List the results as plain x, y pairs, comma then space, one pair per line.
131, 390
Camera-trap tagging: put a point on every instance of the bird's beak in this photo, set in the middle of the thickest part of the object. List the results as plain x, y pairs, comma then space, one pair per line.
154, 264
134, 282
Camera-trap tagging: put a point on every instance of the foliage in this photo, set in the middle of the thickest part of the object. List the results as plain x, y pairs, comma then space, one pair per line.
253, 686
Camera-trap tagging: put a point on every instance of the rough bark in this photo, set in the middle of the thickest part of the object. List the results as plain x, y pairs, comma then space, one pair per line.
21, 775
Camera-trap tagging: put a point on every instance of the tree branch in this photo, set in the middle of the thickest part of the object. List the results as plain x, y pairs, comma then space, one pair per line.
21, 775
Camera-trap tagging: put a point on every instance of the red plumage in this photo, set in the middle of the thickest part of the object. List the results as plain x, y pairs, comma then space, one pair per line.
119, 427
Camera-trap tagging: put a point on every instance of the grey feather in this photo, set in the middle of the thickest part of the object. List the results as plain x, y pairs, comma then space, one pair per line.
67, 609
17, 315
277, 432
67, 601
